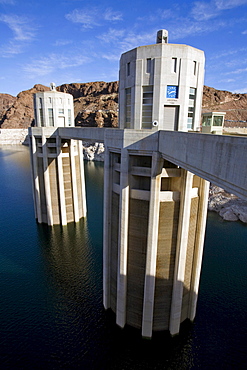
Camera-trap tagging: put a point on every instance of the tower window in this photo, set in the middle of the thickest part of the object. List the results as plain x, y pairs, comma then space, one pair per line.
41, 117
127, 107
194, 65
148, 65
69, 117
128, 69
51, 118
174, 65
191, 108
147, 106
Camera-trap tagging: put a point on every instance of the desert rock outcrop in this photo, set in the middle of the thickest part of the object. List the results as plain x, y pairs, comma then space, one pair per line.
235, 105
96, 104
21, 113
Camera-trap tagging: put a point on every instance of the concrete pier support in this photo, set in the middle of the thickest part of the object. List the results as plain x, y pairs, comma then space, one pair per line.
181, 251
155, 217
107, 230
199, 243
152, 245
123, 240
58, 178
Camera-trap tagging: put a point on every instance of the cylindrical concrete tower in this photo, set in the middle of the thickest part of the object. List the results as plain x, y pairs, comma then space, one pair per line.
53, 109
57, 163
160, 86
58, 177
154, 211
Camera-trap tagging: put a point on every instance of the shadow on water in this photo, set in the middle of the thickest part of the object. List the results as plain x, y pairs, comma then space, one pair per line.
128, 350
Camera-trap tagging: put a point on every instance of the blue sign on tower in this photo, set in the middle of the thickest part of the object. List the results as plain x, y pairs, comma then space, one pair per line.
172, 92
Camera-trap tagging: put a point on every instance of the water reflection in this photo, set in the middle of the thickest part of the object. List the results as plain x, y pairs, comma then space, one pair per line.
67, 253
16, 154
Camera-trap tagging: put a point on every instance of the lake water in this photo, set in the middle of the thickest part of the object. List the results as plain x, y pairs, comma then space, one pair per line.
51, 313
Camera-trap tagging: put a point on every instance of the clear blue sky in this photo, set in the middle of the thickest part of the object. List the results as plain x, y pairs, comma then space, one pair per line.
65, 41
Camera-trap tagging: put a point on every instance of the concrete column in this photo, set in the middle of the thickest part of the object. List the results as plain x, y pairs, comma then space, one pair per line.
35, 182
181, 251
152, 245
123, 240
199, 243
63, 214
47, 181
107, 228
73, 181
82, 174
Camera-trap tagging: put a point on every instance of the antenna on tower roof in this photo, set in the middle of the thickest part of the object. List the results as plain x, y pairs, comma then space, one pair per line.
52, 86
162, 37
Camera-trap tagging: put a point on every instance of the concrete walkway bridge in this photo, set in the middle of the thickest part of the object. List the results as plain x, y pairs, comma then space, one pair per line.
220, 159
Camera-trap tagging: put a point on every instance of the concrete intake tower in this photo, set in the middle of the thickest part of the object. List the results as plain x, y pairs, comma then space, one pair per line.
154, 211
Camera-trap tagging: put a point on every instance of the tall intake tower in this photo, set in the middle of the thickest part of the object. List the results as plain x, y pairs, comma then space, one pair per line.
57, 163
154, 211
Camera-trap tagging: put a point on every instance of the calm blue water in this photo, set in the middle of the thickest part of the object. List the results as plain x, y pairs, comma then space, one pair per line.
51, 314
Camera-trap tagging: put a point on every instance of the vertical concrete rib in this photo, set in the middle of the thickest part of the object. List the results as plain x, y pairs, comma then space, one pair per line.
181, 251
199, 242
35, 182
62, 203
107, 228
47, 181
152, 244
82, 178
73, 180
123, 240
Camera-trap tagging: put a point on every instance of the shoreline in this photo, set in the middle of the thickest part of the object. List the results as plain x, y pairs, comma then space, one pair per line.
228, 206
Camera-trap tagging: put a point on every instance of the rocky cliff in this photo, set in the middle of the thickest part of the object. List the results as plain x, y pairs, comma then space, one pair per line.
235, 105
6, 101
20, 113
96, 104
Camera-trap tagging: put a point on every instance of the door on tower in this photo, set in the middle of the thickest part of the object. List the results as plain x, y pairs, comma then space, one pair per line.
61, 121
171, 114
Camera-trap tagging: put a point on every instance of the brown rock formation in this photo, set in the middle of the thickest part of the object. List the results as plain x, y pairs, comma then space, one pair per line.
6, 101
21, 113
96, 104
235, 106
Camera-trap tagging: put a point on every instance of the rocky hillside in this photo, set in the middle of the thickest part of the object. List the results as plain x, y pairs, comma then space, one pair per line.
20, 113
235, 105
6, 101
96, 104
